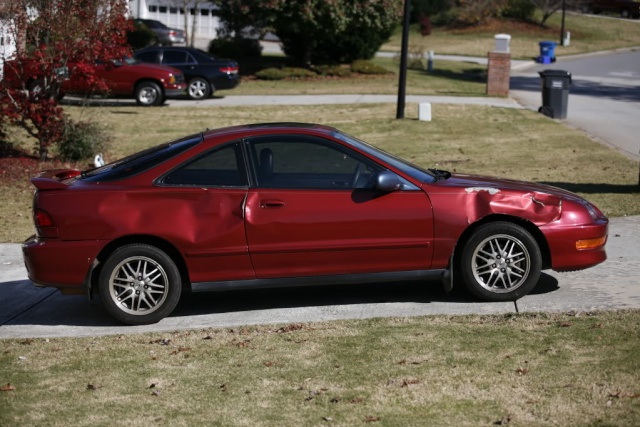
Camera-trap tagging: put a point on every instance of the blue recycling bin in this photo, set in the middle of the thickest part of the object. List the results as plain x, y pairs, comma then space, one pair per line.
547, 52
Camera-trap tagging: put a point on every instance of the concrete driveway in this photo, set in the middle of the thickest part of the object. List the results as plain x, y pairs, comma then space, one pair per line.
26, 311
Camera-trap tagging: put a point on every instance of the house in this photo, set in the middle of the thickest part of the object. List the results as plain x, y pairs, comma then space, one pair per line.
7, 39
170, 12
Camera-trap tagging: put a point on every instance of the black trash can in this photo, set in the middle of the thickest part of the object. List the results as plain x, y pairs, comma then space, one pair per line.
555, 93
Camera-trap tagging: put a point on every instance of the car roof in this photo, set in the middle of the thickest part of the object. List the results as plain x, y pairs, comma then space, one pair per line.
269, 128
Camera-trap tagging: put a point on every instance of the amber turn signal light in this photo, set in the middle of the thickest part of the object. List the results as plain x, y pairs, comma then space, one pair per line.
591, 243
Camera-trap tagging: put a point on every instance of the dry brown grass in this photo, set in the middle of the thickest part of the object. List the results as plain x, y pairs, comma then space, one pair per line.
510, 143
588, 34
465, 370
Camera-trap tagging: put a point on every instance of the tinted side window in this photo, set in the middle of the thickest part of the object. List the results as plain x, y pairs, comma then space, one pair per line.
151, 56
141, 161
222, 167
303, 162
174, 57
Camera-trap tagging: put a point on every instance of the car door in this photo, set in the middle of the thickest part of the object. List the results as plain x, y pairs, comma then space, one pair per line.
206, 206
313, 210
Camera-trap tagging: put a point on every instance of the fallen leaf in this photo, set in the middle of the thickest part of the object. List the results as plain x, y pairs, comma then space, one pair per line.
371, 419
407, 383
8, 387
180, 350
522, 371
335, 400
153, 385
327, 418
28, 341
155, 392
93, 386
223, 387
503, 421
356, 400
290, 328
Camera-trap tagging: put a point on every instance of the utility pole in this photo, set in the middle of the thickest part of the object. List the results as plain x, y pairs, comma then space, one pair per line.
564, 9
402, 83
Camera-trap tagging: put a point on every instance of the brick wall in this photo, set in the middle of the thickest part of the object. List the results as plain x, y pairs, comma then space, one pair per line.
498, 73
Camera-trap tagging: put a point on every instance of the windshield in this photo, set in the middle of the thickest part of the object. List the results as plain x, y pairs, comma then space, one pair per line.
416, 172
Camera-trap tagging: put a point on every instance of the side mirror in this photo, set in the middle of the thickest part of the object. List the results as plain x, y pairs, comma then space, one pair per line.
388, 181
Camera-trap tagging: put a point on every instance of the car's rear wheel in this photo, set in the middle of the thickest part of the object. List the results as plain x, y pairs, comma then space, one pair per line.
149, 94
199, 88
139, 284
500, 262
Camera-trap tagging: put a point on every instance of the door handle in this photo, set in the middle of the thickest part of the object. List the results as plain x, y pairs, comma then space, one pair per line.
271, 203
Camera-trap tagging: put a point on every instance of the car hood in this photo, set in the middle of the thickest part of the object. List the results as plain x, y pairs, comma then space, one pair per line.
493, 185
480, 196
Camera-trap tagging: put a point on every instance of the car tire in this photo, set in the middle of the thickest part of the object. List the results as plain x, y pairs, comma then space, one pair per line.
501, 261
198, 88
149, 94
36, 89
139, 284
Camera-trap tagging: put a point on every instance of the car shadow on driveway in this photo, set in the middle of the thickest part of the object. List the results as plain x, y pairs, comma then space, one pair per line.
46, 307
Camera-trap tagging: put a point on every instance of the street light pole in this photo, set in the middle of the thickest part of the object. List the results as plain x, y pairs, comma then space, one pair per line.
402, 82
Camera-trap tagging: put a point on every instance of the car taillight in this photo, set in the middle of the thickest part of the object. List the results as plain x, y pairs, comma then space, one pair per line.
229, 70
42, 218
172, 33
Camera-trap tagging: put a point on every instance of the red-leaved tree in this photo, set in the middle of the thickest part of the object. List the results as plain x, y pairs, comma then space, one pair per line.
51, 35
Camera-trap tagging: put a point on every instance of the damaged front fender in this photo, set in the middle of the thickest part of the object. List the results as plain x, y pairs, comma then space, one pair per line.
539, 208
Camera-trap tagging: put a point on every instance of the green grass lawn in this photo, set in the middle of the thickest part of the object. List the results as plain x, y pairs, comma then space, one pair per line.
588, 34
448, 78
523, 370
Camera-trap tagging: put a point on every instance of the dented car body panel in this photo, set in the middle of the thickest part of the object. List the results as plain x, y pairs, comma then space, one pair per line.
257, 203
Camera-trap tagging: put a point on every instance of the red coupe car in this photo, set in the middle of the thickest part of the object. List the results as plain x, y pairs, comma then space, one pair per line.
270, 205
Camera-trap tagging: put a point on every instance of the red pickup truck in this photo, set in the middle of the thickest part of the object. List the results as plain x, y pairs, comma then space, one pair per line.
148, 84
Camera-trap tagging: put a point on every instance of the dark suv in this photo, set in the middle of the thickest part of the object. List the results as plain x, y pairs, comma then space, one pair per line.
203, 72
625, 8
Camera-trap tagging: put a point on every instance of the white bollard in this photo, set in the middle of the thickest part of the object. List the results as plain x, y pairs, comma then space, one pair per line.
424, 111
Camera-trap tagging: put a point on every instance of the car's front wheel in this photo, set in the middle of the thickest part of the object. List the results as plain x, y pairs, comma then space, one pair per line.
500, 262
199, 88
139, 284
149, 94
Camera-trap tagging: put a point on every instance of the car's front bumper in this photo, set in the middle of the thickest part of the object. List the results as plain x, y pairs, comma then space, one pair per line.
565, 256
176, 92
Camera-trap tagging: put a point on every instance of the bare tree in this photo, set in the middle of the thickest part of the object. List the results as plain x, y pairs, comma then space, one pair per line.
186, 6
549, 7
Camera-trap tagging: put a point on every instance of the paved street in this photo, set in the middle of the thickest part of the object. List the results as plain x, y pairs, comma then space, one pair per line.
604, 98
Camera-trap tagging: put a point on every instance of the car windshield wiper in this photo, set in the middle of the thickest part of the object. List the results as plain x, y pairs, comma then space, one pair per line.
440, 174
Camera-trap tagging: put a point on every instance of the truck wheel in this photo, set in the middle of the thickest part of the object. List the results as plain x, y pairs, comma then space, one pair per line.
149, 94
